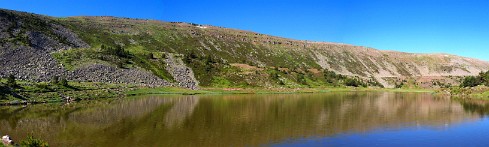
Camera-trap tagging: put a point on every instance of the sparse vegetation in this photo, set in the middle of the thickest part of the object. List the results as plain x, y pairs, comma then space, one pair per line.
205, 63
30, 141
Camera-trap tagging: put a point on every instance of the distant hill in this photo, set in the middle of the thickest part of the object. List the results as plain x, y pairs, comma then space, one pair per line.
121, 50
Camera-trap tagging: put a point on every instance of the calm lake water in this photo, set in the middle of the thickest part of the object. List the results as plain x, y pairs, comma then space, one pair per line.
329, 119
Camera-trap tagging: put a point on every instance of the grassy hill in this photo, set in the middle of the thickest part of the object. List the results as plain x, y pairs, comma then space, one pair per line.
191, 55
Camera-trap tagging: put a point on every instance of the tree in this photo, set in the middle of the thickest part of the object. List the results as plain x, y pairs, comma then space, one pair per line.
354, 82
301, 79
330, 77
470, 81
399, 85
120, 64
3, 91
192, 55
64, 82
351, 82
55, 80
484, 78
119, 51
11, 81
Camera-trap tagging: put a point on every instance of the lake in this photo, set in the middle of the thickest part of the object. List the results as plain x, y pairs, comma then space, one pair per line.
325, 119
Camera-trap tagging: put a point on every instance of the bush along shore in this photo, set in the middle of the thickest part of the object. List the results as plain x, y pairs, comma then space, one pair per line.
470, 87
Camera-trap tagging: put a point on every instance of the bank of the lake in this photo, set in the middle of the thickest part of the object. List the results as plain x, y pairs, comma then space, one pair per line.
477, 92
173, 90
25, 92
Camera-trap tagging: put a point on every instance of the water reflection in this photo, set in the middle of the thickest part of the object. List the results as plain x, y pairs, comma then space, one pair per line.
230, 120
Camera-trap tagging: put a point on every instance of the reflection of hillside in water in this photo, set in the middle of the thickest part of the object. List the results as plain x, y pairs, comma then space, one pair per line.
480, 107
50, 120
182, 108
227, 120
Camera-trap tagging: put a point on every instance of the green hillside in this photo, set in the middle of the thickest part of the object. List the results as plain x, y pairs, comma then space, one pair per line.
156, 53
217, 56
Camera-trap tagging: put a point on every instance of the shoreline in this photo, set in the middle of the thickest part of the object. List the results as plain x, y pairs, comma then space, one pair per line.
203, 91
114, 91
45, 92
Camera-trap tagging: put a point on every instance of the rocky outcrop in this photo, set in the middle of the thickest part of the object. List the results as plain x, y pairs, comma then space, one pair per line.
28, 63
380, 65
71, 37
25, 51
183, 75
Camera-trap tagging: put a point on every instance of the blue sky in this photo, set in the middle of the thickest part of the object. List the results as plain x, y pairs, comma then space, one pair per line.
458, 27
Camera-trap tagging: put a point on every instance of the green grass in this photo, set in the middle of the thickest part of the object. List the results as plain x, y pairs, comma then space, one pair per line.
173, 90
76, 58
484, 95
478, 92
43, 92
157, 38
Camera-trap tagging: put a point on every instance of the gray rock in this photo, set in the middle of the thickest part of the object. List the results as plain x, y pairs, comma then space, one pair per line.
33, 61
182, 74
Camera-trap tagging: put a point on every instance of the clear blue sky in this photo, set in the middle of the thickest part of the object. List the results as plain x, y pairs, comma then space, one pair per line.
458, 27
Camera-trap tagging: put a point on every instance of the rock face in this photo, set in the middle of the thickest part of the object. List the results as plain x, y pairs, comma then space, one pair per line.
183, 75
382, 65
25, 51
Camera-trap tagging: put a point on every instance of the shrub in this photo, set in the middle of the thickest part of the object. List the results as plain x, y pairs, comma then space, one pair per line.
11, 81
55, 80
33, 142
117, 51
400, 85
63, 82
354, 82
470, 81
351, 82
301, 79
484, 77
3, 91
